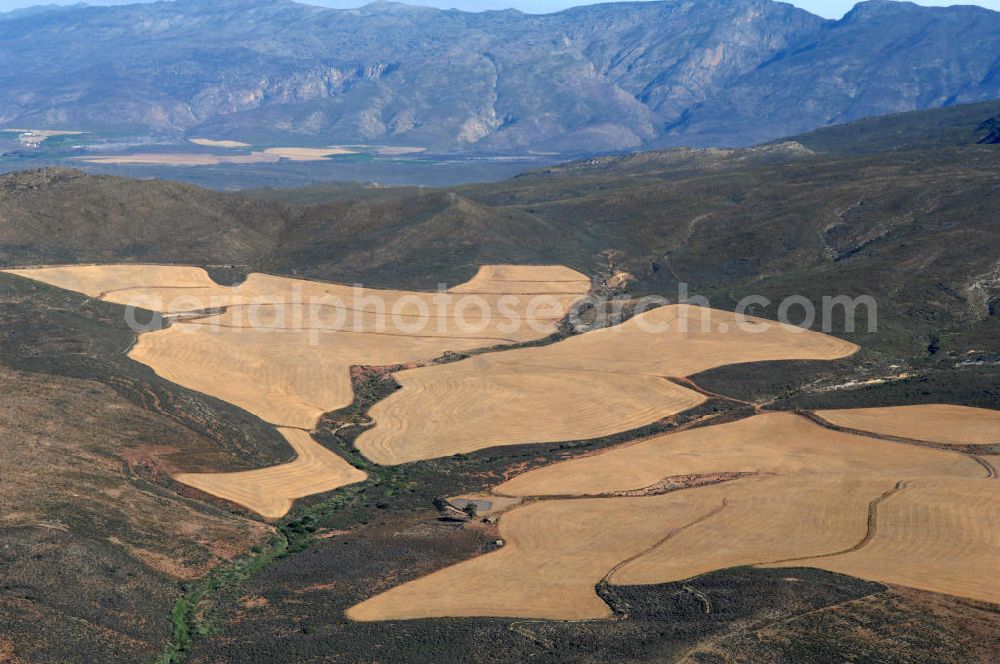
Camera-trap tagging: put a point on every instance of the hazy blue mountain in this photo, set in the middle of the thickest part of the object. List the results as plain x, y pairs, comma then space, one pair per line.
596, 78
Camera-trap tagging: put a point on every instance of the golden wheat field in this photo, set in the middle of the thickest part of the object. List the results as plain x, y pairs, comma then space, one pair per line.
289, 362
683, 340
596, 384
101, 280
271, 491
939, 423
286, 377
282, 348
268, 301
796, 492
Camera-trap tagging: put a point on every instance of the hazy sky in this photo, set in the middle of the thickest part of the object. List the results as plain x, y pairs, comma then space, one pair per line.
829, 8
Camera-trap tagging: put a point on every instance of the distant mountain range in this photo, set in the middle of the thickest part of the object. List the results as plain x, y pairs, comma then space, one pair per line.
597, 78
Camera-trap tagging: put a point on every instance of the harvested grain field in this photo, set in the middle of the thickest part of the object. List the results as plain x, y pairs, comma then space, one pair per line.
444, 410
781, 489
225, 144
936, 534
286, 377
765, 519
268, 301
938, 423
270, 492
782, 444
547, 280
182, 158
101, 281
596, 384
282, 348
683, 340
555, 552
307, 154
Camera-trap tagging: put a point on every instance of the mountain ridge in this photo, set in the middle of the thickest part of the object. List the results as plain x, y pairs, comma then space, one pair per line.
598, 78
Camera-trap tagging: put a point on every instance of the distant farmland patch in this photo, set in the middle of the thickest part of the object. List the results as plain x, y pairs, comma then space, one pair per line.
268, 155
210, 143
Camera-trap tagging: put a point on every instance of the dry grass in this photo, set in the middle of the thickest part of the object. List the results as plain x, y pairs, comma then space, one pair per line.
592, 385
271, 491
940, 423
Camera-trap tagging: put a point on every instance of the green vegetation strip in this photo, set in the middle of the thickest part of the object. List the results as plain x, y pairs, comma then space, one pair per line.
191, 621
